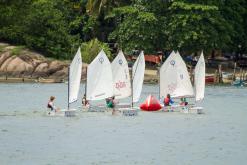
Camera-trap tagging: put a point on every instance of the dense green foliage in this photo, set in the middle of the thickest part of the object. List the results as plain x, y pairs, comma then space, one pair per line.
90, 50
57, 27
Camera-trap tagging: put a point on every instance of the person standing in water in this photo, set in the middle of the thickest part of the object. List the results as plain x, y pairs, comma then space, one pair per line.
111, 103
85, 101
51, 105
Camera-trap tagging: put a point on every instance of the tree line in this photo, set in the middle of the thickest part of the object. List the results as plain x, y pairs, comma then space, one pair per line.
57, 27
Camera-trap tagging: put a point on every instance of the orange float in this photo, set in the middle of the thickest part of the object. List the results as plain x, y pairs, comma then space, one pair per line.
151, 104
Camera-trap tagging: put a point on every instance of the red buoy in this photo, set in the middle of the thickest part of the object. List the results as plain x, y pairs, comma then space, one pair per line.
151, 104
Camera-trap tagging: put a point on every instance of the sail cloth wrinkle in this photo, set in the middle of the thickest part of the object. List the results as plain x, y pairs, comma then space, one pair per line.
75, 76
99, 78
200, 78
138, 76
174, 78
121, 77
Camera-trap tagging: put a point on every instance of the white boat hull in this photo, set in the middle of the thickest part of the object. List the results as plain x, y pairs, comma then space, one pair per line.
198, 110
183, 109
129, 111
62, 113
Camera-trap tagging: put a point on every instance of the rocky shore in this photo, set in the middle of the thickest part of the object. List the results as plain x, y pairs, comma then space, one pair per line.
22, 65
18, 64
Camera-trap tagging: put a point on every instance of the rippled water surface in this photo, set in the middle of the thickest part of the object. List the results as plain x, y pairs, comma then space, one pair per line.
28, 136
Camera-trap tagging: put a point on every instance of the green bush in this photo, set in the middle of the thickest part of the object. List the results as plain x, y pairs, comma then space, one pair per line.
90, 50
2, 48
17, 50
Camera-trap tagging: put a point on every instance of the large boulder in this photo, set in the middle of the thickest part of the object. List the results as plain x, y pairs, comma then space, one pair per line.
15, 66
4, 57
55, 66
32, 64
41, 70
4, 65
62, 74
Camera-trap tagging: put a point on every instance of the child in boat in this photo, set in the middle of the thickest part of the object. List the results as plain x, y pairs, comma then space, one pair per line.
51, 105
183, 101
107, 101
168, 101
85, 101
110, 102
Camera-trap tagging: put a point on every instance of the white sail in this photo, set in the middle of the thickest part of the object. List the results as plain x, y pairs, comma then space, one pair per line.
99, 78
138, 76
200, 78
75, 76
121, 78
174, 78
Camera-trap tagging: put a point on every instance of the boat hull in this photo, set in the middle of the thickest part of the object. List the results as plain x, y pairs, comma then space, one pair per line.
62, 113
183, 109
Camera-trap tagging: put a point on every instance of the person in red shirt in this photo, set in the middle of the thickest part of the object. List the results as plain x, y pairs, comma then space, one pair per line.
168, 101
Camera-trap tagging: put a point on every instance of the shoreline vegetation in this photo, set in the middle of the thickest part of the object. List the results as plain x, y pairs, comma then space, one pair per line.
20, 65
56, 29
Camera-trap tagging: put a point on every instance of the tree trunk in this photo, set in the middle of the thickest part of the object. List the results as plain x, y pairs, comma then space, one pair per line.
213, 54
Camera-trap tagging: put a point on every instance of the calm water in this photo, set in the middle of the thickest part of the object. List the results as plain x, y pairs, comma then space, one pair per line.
27, 136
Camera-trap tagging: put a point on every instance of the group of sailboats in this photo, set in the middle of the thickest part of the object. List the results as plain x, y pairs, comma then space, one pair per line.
175, 79
105, 79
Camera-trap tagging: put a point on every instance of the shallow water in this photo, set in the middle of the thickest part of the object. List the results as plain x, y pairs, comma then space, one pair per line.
27, 136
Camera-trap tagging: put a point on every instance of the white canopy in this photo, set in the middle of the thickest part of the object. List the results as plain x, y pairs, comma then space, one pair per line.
138, 76
174, 78
121, 78
75, 76
99, 78
200, 78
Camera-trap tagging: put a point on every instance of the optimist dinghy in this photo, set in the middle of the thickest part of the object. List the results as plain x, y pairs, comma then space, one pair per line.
199, 84
175, 80
74, 79
99, 81
123, 87
138, 70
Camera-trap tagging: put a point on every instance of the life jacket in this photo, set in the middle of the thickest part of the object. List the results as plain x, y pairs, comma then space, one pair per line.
48, 105
110, 104
167, 101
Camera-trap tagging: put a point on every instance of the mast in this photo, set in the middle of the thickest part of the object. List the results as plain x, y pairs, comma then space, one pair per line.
69, 74
132, 98
68, 85
86, 85
159, 82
